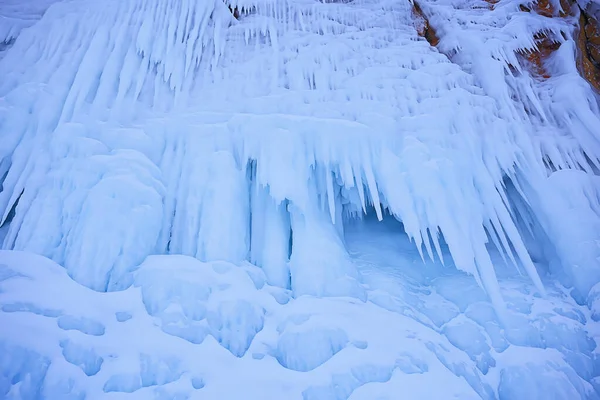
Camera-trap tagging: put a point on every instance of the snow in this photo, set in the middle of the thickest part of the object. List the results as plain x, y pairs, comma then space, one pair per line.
189, 329
309, 201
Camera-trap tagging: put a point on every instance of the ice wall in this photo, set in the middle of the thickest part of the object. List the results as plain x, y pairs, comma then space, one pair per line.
140, 127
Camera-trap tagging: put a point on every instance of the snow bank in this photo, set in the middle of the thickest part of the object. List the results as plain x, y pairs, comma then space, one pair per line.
188, 329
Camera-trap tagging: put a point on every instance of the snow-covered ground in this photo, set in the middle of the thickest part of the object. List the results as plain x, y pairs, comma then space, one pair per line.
188, 329
196, 206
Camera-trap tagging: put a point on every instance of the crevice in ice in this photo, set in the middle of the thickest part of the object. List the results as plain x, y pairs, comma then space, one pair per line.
5, 45
539, 247
588, 46
6, 220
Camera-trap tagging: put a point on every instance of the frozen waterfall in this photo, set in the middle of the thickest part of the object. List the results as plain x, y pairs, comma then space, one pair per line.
216, 163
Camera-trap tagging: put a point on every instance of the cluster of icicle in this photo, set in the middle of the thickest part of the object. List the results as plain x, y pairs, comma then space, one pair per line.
559, 117
167, 126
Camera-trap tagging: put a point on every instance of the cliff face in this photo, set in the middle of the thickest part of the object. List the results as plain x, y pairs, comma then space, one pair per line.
589, 44
587, 36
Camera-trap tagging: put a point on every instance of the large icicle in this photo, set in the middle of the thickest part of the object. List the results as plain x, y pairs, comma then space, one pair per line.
270, 236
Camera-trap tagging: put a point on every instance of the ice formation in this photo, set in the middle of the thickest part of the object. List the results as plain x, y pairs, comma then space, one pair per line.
208, 163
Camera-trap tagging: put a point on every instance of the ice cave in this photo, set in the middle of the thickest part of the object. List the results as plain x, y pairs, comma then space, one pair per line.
300, 199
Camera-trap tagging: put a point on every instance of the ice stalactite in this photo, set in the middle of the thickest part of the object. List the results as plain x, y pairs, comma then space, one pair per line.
553, 112
271, 236
319, 263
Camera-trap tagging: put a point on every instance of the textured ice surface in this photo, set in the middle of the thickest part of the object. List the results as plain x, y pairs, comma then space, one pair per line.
188, 329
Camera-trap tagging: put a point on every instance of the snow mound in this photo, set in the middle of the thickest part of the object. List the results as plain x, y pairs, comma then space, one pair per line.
188, 329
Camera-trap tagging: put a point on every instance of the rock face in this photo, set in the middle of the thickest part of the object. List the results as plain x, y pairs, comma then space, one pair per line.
588, 43
587, 36
535, 60
424, 29
545, 45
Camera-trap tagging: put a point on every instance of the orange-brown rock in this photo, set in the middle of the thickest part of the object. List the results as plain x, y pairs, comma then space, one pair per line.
594, 51
545, 46
535, 59
588, 38
491, 3
544, 7
547, 9
588, 42
424, 29
588, 49
592, 30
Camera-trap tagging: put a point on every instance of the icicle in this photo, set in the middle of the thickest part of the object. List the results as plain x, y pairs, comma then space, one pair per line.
373, 191
330, 195
426, 240
438, 249
419, 244
515, 239
488, 280
360, 188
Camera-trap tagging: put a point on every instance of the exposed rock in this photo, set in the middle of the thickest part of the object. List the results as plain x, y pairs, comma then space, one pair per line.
535, 59
424, 29
545, 45
588, 37
544, 7
588, 46
547, 8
